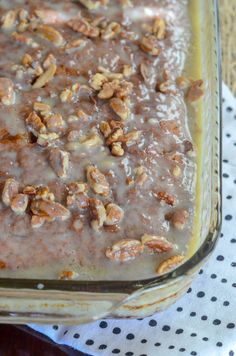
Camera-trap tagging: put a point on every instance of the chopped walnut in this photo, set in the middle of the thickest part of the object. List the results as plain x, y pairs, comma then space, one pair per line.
98, 213
83, 26
195, 92
30, 190
114, 214
156, 244
111, 31
35, 124
10, 190
68, 275
97, 181
149, 45
117, 150
178, 218
51, 34
124, 250
7, 94
120, 108
169, 264
90, 4
46, 77
50, 209
19, 203
167, 198
59, 161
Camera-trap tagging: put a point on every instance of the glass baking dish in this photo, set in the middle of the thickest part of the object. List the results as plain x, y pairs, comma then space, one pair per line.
68, 302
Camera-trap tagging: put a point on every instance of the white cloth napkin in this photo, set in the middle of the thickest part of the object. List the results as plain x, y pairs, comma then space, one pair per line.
203, 322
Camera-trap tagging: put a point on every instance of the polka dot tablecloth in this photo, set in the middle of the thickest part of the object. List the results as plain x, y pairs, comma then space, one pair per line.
203, 321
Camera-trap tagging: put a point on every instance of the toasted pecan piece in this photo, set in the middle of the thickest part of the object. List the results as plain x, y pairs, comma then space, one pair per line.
7, 94
124, 250
169, 264
149, 45
51, 34
120, 108
50, 209
59, 161
114, 214
97, 181
98, 213
81, 25
167, 198
111, 30
10, 190
159, 28
46, 77
117, 149
35, 124
156, 244
9, 19
79, 200
19, 203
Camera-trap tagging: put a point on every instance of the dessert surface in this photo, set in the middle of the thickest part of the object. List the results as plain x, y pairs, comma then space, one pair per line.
97, 166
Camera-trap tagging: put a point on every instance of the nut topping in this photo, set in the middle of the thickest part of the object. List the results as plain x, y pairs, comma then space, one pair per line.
47, 139
7, 94
50, 209
114, 214
59, 161
98, 213
10, 190
51, 34
156, 244
167, 198
19, 203
79, 200
68, 275
124, 250
117, 150
9, 19
178, 219
159, 28
83, 26
120, 108
97, 181
111, 31
46, 77
169, 264
98, 80
37, 221
35, 124
149, 45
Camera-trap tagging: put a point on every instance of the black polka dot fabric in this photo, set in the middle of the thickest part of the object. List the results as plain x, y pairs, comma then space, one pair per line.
203, 321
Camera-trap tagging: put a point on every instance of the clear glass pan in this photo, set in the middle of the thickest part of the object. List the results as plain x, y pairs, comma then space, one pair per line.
54, 301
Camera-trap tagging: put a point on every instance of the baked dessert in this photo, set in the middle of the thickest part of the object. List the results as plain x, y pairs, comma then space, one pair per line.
97, 162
